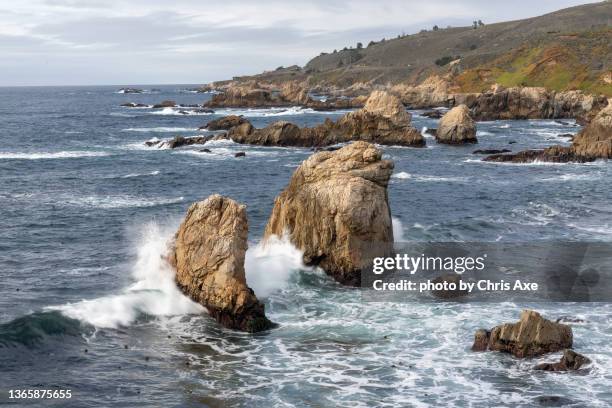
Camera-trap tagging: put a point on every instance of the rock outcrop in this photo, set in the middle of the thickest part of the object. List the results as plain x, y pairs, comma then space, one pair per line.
383, 120
208, 254
570, 361
591, 143
456, 127
530, 103
335, 209
165, 104
177, 141
531, 336
224, 123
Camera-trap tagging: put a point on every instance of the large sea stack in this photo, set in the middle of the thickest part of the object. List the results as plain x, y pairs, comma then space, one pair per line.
208, 254
456, 127
336, 210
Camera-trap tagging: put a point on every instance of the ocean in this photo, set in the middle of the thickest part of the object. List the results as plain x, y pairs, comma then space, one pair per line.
87, 304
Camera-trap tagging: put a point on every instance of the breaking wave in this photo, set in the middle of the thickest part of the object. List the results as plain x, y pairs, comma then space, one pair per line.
50, 155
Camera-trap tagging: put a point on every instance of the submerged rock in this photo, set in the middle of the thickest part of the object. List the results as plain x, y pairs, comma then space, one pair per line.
531, 336
240, 154
456, 127
383, 120
208, 254
134, 105
335, 209
570, 361
434, 114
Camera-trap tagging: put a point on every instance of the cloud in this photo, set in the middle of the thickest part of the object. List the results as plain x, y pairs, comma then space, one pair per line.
194, 41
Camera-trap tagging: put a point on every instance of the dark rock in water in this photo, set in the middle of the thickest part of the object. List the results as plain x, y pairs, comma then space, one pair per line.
165, 104
512, 142
491, 151
531, 336
481, 340
570, 361
449, 294
177, 141
569, 319
432, 131
240, 154
553, 154
131, 90
568, 135
433, 114
553, 401
134, 105
205, 151
224, 123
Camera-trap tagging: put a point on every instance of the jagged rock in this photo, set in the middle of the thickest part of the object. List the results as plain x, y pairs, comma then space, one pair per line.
595, 140
456, 127
491, 151
165, 104
481, 340
179, 141
208, 254
570, 361
383, 120
531, 336
224, 123
335, 209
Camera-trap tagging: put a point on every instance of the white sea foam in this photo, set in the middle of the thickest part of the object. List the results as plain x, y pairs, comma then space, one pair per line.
398, 229
270, 265
109, 202
131, 175
267, 112
401, 175
50, 155
160, 129
153, 292
179, 112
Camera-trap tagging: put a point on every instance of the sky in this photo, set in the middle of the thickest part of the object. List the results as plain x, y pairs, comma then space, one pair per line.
119, 42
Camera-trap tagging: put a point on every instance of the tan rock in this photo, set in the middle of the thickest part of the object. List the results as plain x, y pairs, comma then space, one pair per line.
457, 127
208, 254
531, 336
336, 210
383, 120
595, 140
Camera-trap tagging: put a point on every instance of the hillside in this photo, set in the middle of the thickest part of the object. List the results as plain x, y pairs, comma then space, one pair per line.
566, 49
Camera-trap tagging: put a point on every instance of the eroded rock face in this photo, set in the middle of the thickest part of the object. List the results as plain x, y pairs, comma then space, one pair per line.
595, 140
570, 361
456, 127
208, 255
531, 336
336, 210
383, 120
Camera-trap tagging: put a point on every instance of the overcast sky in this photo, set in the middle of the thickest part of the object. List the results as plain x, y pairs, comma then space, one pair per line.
72, 42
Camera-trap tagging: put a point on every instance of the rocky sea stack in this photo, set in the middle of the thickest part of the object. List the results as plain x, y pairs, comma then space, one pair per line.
457, 127
208, 254
383, 120
336, 210
531, 336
